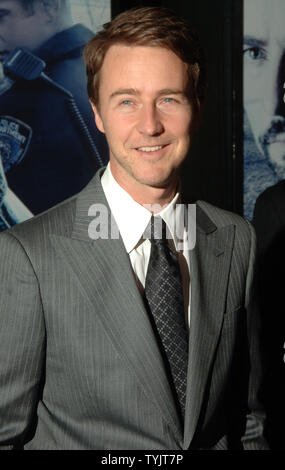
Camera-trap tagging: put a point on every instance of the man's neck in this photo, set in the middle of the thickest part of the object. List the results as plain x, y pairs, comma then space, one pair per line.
154, 198
147, 195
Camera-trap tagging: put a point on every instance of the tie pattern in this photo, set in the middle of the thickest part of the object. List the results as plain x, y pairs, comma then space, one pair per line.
164, 297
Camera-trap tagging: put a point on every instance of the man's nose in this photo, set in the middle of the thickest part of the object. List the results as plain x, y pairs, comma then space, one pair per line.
150, 122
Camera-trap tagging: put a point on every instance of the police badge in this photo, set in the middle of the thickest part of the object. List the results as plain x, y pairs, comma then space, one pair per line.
15, 137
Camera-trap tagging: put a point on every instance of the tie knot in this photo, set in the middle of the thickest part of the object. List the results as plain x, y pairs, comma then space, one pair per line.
157, 231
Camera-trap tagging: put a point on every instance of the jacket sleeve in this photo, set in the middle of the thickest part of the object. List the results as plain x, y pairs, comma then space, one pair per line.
253, 438
22, 342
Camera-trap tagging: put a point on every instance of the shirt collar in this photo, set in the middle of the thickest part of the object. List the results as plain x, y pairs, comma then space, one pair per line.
131, 217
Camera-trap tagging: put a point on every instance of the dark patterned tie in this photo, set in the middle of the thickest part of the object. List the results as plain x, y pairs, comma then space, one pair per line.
164, 297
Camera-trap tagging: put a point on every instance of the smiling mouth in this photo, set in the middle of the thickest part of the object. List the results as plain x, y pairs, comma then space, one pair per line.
150, 149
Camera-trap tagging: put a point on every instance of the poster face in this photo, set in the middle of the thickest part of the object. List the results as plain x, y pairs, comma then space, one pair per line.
50, 147
264, 97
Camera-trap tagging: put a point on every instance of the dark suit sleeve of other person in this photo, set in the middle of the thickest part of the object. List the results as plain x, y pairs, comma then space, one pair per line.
269, 222
269, 217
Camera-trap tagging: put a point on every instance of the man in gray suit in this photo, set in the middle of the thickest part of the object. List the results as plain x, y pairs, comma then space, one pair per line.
82, 361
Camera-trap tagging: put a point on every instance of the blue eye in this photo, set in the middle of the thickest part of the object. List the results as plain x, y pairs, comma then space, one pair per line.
126, 102
168, 100
255, 53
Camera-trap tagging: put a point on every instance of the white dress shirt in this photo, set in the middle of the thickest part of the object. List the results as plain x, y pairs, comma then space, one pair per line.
132, 219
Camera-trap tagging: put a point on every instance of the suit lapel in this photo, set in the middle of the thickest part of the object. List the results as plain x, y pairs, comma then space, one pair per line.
103, 271
209, 266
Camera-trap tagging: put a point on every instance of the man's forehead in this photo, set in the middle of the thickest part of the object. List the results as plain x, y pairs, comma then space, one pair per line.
127, 56
264, 20
143, 67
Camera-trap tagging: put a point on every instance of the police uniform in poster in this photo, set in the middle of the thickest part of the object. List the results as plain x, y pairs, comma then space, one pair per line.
50, 146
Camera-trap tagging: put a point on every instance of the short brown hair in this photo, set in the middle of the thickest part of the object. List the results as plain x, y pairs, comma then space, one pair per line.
147, 26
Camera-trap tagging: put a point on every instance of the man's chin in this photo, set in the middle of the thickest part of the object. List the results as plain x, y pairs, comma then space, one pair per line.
158, 181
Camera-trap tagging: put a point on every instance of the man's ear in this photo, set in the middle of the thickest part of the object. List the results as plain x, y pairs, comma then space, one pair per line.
98, 120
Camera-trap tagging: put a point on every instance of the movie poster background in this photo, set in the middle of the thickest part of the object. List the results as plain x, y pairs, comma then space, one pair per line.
49, 145
264, 195
263, 91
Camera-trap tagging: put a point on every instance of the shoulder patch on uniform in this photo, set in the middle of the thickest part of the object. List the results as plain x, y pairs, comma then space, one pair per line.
15, 137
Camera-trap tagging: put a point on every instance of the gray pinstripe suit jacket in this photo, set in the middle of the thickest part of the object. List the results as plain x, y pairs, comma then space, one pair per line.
79, 364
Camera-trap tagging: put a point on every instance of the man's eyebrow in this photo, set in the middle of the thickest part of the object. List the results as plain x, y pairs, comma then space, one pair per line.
124, 91
254, 42
133, 91
171, 91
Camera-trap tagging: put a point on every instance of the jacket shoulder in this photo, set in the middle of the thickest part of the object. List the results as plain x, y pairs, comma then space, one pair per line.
275, 192
222, 217
57, 220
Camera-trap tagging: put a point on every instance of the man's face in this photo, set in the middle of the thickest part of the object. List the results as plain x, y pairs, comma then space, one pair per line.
145, 114
20, 28
264, 77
